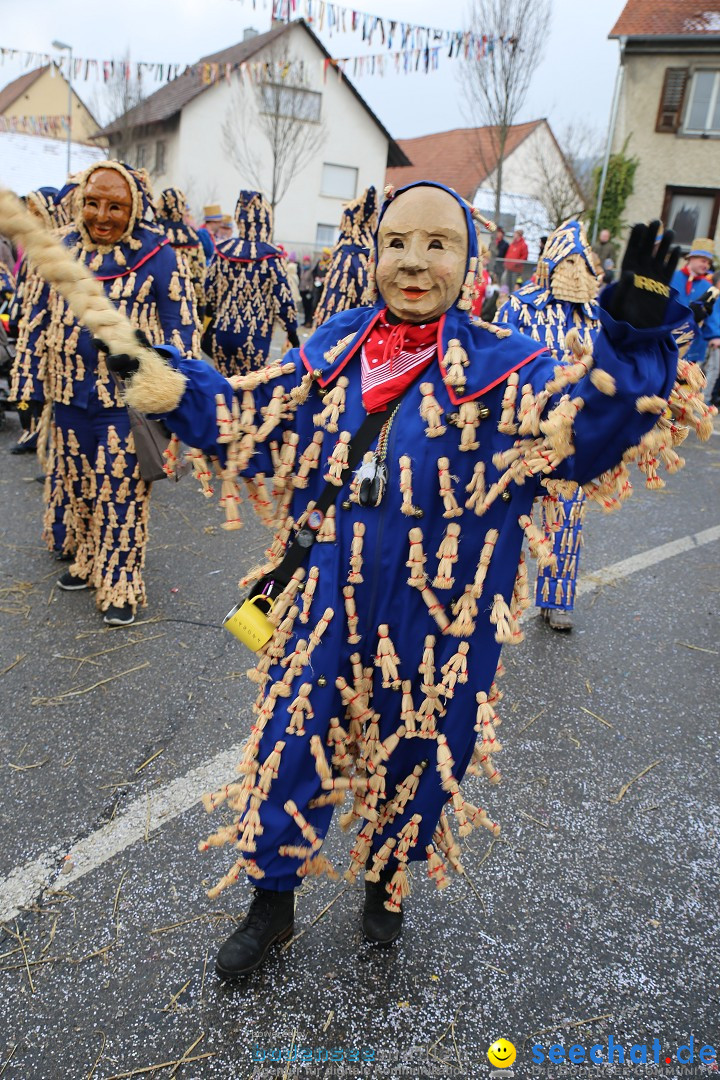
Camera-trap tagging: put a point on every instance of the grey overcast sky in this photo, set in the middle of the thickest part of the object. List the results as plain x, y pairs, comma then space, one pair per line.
573, 84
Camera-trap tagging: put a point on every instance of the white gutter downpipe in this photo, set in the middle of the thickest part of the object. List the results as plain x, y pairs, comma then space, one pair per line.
610, 136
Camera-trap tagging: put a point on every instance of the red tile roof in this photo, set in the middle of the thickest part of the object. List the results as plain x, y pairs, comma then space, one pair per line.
671, 18
10, 93
461, 158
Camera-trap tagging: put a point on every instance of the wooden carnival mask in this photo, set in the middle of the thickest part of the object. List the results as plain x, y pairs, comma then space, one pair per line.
107, 206
422, 254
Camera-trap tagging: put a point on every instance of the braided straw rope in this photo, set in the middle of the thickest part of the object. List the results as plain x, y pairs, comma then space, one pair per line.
156, 387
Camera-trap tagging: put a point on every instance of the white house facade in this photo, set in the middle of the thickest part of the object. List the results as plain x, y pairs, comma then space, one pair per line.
183, 131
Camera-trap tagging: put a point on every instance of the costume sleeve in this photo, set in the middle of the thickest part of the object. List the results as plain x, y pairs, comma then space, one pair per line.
199, 418
175, 298
641, 364
286, 314
711, 326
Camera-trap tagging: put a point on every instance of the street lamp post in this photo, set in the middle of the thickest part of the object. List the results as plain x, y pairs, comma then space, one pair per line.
62, 45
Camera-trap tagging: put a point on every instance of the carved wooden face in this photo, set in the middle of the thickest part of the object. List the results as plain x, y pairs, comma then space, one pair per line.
422, 253
107, 206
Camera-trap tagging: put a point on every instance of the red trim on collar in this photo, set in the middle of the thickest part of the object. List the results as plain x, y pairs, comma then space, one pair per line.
353, 349
236, 258
490, 386
131, 269
451, 392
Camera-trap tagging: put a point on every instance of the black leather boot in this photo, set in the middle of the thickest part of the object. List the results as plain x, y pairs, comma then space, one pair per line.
379, 925
268, 922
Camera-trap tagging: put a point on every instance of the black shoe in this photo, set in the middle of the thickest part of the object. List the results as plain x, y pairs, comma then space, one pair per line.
119, 616
269, 921
26, 446
64, 556
70, 582
379, 925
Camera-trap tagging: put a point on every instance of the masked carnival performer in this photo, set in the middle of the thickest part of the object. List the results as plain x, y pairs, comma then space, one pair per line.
392, 588
563, 298
171, 210
246, 290
97, 505
348, 281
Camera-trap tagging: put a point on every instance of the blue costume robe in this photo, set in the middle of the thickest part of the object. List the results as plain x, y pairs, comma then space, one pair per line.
247, 289
171, 208
348, 276
401, 678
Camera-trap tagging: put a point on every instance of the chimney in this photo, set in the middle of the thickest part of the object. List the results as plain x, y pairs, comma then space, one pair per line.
249, 32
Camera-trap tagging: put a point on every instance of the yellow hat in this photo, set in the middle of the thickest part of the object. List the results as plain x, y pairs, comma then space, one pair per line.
702, 245
212, 213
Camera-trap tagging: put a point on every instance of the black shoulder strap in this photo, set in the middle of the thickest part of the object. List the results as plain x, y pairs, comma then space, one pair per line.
304, 540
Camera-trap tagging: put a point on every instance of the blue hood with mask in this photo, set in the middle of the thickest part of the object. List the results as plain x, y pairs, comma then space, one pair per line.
492, 358
142, 237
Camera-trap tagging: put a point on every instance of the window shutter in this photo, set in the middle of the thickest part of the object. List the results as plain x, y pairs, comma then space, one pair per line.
671, 100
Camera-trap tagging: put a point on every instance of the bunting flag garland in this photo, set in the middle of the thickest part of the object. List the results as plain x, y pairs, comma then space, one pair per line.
407, 49
35, 125
394, 34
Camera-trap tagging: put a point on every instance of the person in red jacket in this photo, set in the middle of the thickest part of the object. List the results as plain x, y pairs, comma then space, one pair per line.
516, 256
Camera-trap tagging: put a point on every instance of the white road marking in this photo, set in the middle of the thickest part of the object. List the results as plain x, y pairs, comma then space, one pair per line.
25, 883
609, 575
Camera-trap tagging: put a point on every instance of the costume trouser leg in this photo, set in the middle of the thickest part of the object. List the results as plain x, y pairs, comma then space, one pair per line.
60, 523
402, 793
557, 590
109, 501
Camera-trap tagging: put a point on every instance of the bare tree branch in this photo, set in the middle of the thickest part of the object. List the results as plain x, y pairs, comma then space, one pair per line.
497, 84
113, 101
286, 113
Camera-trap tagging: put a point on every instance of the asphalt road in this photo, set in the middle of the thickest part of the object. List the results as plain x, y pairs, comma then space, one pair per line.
595, 915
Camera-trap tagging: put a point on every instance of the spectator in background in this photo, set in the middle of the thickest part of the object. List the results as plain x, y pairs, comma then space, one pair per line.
212, 219
307, 290
605, 249
224, 229
691, 283
494, 301
499, 250
516, 256
320, 269
481, 281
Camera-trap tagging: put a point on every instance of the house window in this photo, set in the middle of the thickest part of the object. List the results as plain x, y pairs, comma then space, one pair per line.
160, 156
290, 102
703, 112
691, 212
141, 156
325, 235
339, 181
671, 99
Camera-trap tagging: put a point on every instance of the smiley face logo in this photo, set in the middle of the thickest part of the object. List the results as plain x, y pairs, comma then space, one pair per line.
501, 1054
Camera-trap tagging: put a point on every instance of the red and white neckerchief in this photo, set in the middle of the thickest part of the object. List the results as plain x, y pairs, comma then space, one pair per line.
392, 358
692, 278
